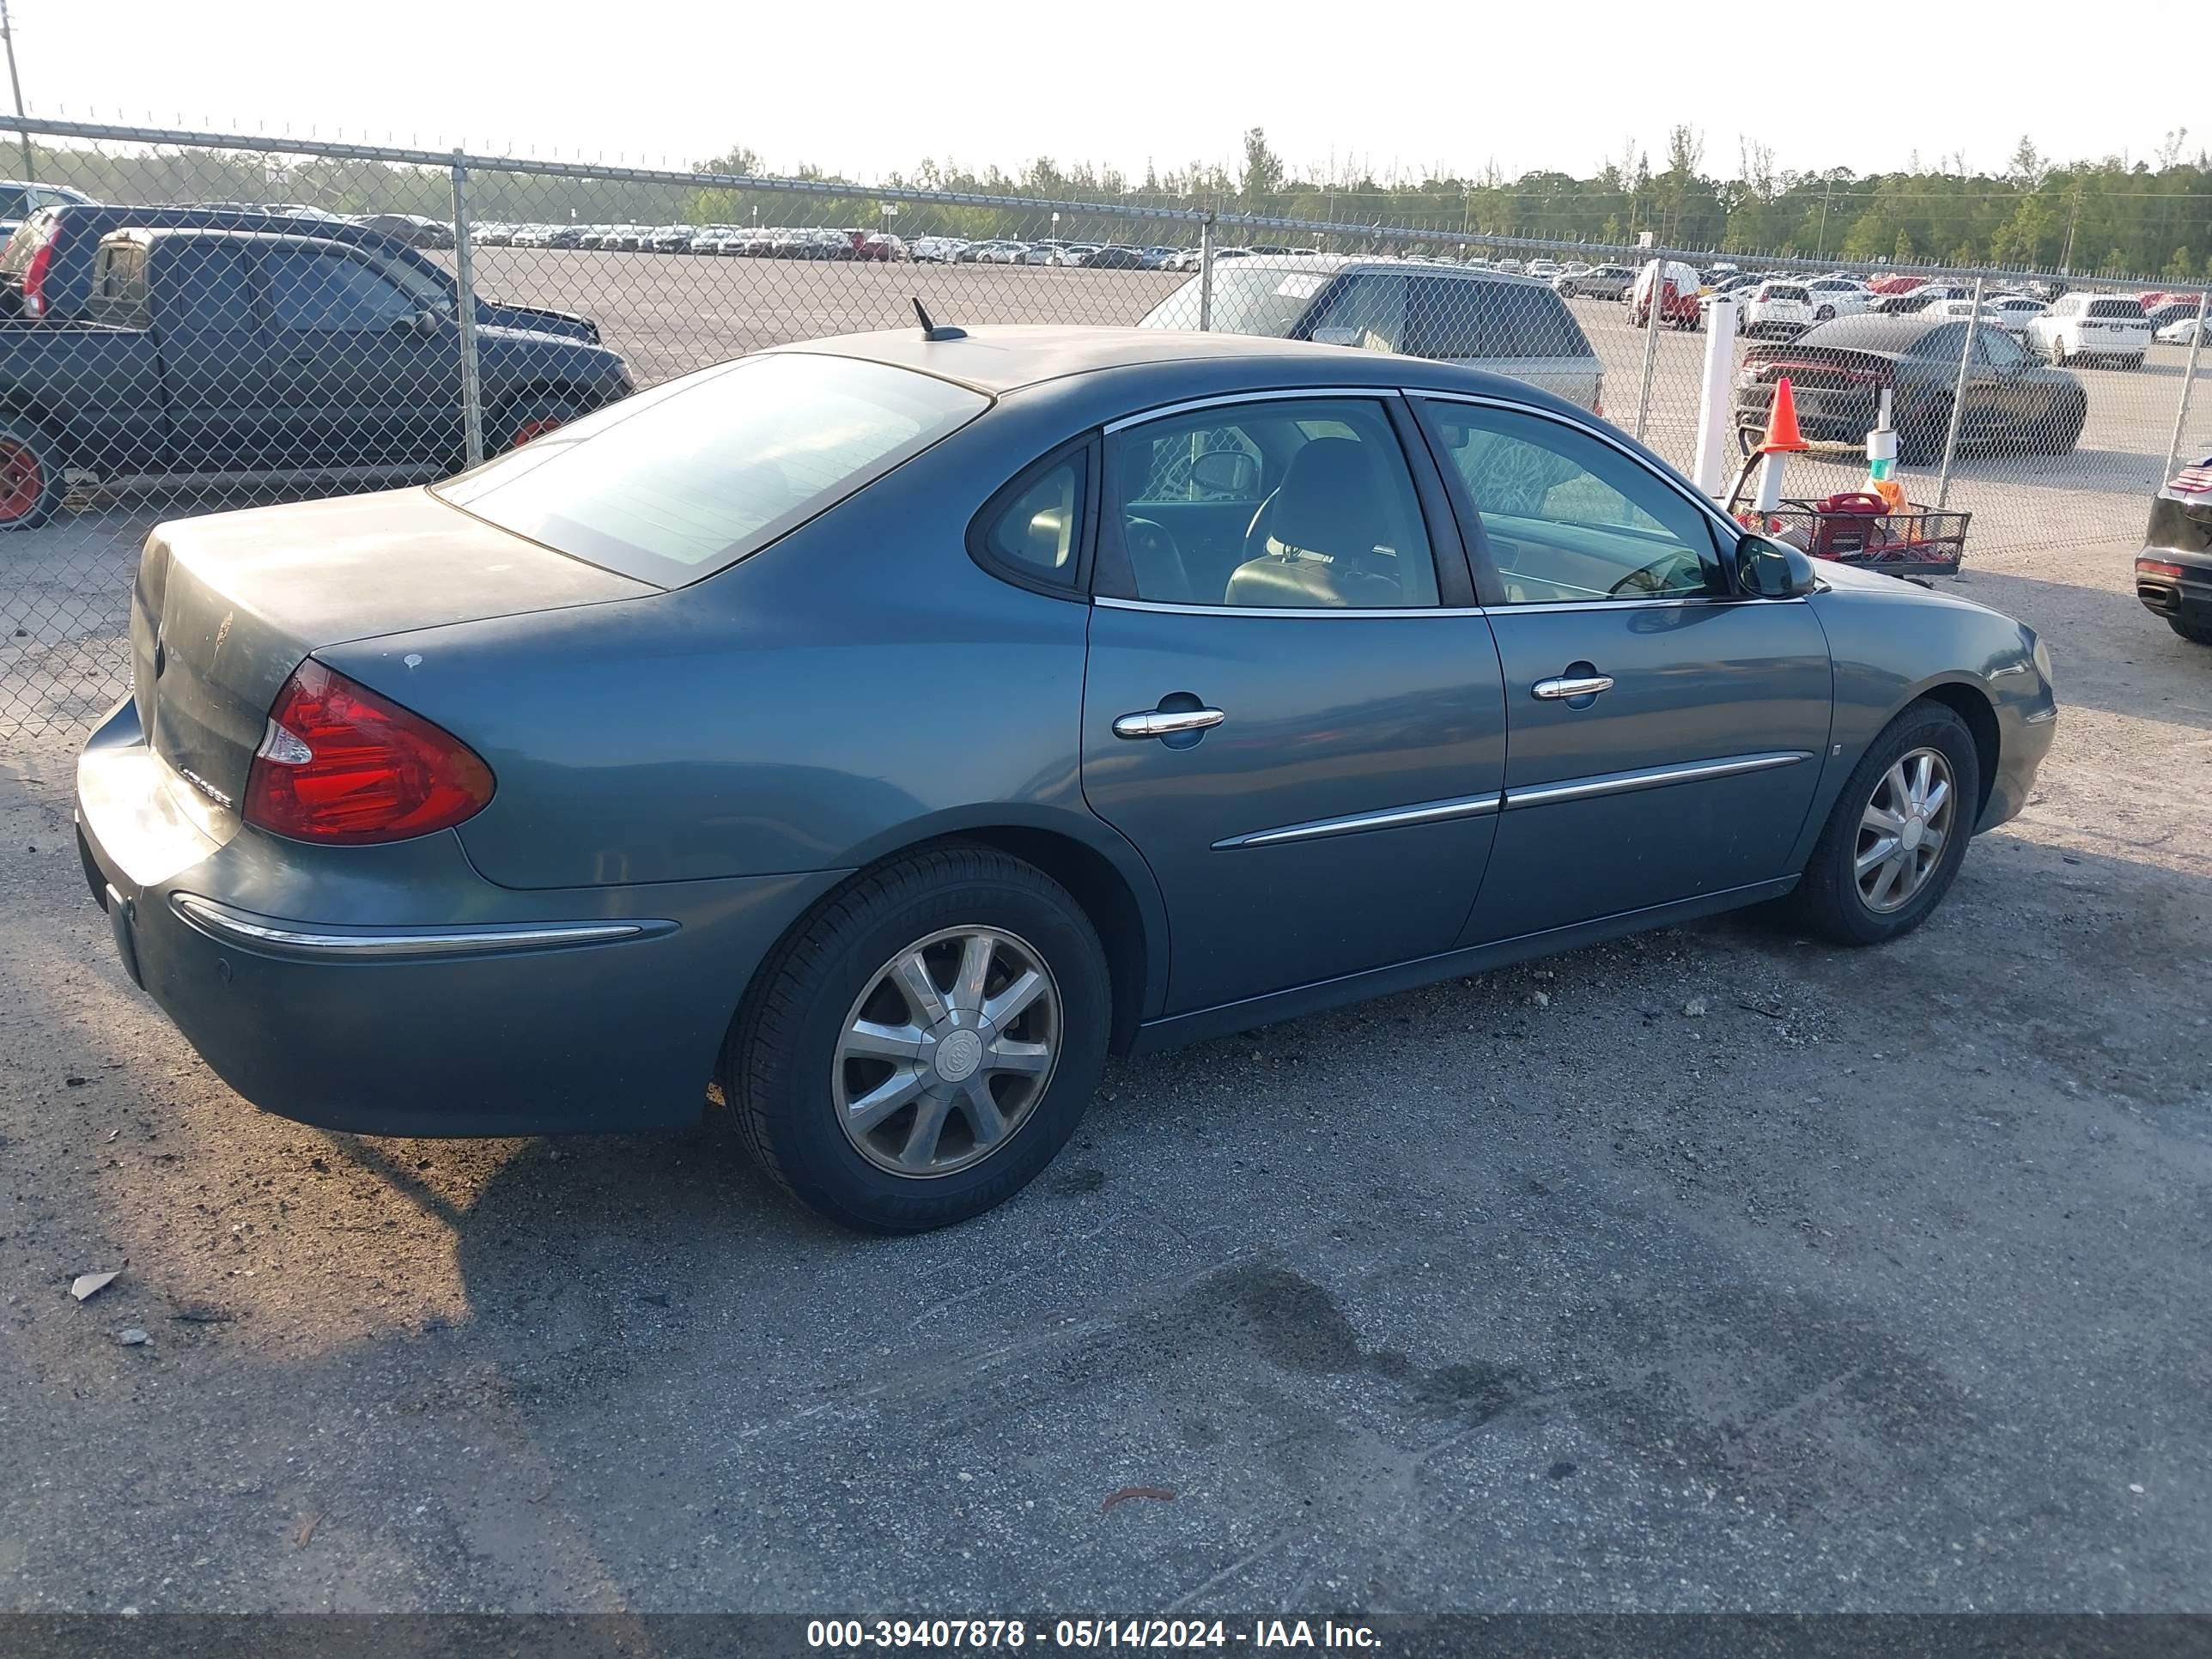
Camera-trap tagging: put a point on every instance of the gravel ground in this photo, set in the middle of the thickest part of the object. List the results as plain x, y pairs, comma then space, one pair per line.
1878, 1283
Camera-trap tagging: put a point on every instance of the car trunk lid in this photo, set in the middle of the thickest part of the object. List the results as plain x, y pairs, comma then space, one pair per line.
225, 607
1823, 368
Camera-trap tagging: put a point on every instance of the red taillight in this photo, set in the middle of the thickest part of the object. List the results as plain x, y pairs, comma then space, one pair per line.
2158, 568
2192, 481
34, 278
339, 764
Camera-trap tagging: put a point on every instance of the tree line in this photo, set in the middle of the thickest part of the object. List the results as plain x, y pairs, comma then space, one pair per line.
2146, 217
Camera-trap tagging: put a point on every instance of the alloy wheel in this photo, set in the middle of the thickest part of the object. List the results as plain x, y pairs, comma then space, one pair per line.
947, 1051
1903, 829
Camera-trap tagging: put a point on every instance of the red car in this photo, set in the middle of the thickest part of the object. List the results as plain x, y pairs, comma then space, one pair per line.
1677, 285
1894, 284
877, 244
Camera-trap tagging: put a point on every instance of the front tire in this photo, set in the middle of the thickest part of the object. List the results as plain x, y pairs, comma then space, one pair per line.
924, 1043
1898, 835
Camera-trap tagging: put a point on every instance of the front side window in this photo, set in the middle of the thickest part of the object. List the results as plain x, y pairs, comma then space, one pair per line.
1568, 518
322, 293
681, 481
1999, 348
1290, 504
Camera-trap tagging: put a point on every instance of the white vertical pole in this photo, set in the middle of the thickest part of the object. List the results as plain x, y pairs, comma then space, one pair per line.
1205, 273
2188, 380
464, 309
1716, 411
1651, 324
1958, 396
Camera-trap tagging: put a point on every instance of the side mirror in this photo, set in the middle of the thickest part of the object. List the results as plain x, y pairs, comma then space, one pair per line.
422, 324
1343, 337
1228, 472
1772, 570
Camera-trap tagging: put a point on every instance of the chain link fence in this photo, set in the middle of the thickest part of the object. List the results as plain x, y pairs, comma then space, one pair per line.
199, 322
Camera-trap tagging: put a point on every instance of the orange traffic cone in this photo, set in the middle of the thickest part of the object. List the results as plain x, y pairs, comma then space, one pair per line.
1783, 437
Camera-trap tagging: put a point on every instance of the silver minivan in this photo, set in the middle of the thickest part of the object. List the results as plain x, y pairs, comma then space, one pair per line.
1485, 319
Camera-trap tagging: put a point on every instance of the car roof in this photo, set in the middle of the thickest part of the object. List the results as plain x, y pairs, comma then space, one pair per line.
1333, 263
1011, 357
1882, 331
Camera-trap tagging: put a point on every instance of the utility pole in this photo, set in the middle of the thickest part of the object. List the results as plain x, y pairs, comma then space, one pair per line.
2066, 260
1821, 252
8, 35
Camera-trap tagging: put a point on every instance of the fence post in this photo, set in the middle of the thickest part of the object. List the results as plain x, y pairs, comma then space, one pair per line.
1958, 396
1651, 324
2188, 380
465, 283
1715, 409
1205, 273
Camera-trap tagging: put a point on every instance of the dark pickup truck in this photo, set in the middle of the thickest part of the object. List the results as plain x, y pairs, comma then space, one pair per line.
208, 351
46, 265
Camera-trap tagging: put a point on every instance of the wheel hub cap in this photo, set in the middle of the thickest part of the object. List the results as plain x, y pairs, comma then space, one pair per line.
1903, 830
958, 1054
946, 1051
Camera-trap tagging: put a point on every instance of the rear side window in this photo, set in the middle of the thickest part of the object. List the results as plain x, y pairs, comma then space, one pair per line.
1456, 317
204, 287
2131, 309
14, 202
1782, 291
1038, 532
691, 476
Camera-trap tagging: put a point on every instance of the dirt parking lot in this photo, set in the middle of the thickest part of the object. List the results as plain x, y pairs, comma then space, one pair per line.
1715, 1269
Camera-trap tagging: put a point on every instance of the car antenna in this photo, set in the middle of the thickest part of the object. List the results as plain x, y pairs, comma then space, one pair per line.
931, 330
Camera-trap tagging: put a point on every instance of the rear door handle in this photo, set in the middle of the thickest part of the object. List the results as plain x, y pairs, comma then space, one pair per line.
1580, 685
1166, 722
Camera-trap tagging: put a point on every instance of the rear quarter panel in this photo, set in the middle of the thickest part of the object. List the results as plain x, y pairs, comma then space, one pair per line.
858, 686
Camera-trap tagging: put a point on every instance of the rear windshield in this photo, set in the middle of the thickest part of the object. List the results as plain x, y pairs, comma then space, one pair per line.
24, 241
677, 482
2116, 308
1247, 299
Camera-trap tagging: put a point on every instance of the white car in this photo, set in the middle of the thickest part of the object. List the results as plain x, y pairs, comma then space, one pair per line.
1780, 307
2181, 333
1543, 270
1958, 311
2104, 325
1839, 296
2011, 311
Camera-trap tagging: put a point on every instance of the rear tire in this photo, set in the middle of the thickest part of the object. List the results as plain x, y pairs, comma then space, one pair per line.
517, 422
2195, 633
31, 482
1920, 439
1833, 900
796, 1085
2066, 432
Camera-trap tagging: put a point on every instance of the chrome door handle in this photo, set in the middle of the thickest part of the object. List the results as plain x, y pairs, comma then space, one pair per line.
1166, 722
1582, 685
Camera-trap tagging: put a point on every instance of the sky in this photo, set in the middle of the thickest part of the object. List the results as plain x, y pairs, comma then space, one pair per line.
864, 88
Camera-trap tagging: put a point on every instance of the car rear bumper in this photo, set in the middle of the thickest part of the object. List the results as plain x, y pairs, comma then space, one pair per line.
1840, 414
395, 991
2187, 595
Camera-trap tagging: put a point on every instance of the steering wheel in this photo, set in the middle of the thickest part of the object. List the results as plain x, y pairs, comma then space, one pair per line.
1155, 562
1649, 579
